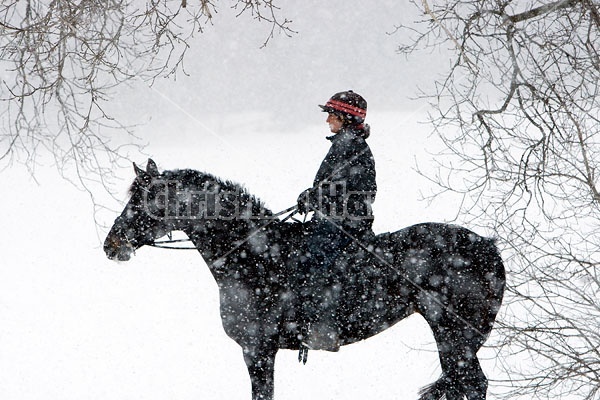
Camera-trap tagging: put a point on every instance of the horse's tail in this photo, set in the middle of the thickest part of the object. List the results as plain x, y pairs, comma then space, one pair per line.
495, 258
435, 390
496, 278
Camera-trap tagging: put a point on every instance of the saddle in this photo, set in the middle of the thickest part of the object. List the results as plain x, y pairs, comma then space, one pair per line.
319, 275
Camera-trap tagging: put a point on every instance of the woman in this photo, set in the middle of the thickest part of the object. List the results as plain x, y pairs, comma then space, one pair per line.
341, 197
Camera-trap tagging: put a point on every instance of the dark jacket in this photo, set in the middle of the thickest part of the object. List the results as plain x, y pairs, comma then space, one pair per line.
344, 187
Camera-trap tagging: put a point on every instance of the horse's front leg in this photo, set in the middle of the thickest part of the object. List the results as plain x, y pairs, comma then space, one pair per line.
260, 361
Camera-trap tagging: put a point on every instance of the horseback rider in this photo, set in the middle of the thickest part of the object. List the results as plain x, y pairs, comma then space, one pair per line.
341, 196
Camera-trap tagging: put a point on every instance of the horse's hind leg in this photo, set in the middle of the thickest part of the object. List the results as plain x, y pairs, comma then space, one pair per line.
475, 382
462, 374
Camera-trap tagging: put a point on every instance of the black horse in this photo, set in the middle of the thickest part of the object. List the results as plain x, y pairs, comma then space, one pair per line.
451, 276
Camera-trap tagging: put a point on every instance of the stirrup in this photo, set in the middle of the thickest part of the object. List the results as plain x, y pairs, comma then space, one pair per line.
303, 353
303, 349
322, 338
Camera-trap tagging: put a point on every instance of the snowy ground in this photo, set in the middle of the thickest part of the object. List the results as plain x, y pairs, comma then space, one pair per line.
76, 325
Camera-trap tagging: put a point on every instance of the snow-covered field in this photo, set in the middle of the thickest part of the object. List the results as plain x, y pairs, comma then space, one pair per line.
74, 325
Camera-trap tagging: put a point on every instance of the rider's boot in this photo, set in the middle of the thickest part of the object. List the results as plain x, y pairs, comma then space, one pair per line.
321, 328
321, 336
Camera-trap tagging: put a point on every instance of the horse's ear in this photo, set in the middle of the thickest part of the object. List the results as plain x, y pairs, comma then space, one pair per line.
138, 171
151, 168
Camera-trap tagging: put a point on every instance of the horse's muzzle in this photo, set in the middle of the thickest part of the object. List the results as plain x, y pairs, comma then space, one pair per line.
117, 250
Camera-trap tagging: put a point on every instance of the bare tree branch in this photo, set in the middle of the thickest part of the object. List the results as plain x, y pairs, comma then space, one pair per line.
62, 61
542, 10
519, 112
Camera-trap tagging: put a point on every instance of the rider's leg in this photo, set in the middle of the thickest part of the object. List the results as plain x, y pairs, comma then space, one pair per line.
324, 245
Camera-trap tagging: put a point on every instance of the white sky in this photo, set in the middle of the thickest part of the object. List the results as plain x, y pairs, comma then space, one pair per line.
337, 47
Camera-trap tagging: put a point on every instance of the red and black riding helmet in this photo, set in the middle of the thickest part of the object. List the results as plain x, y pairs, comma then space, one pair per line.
351, 106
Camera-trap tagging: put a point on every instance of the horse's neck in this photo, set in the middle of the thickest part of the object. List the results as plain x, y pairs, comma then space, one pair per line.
220, 241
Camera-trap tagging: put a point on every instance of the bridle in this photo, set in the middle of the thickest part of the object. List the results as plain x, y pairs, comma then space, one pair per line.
166, 244
130, 242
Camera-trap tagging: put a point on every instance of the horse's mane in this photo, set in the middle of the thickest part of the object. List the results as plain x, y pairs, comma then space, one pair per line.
201, 181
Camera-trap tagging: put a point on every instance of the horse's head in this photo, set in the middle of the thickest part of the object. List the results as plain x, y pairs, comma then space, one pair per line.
186, 200
140, 223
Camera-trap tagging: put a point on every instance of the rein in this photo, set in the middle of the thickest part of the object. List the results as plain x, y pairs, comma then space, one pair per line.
164, 244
